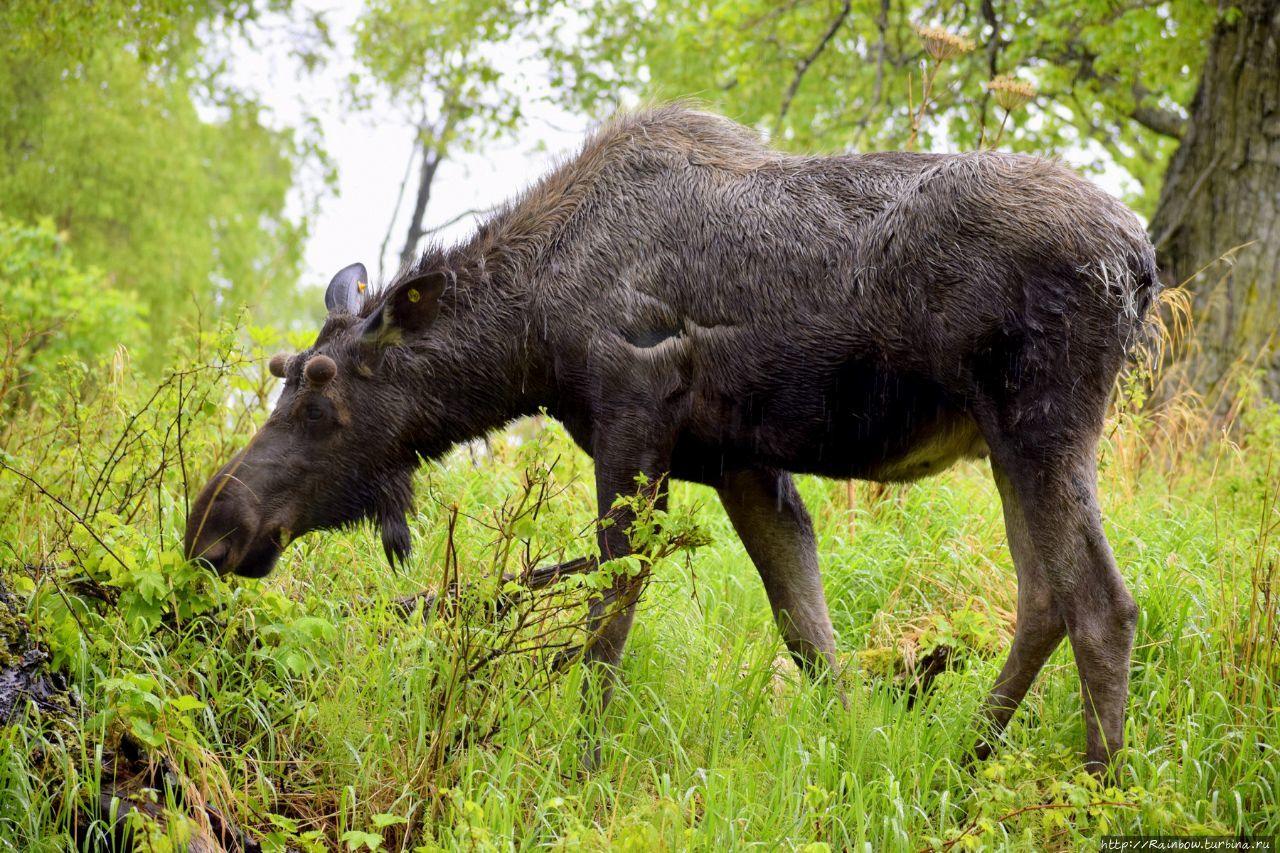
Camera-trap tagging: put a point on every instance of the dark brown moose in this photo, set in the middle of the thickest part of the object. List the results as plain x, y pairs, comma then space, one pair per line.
693, 304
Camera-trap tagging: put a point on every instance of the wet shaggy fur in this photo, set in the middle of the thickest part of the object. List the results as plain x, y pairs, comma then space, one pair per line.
692, 303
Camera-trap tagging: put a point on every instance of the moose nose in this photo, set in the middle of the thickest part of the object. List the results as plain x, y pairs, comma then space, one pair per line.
228, 527
215, 554
216, 524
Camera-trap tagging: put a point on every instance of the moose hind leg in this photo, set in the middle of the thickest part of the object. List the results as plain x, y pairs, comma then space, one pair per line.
1060, 503
1040, 626
770, 518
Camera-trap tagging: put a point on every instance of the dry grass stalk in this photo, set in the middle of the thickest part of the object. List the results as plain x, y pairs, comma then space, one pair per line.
1010, 94
940, 46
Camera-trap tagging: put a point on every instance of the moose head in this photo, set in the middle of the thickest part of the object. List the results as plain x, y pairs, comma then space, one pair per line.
346, 434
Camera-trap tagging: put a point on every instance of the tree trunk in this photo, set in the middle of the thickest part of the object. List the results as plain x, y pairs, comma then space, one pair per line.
1217, 225
427, 174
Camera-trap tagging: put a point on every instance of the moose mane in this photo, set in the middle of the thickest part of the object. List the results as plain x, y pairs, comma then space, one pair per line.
517, 235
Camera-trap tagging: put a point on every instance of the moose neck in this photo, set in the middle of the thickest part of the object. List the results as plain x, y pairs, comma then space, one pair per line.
479, 368
498, 366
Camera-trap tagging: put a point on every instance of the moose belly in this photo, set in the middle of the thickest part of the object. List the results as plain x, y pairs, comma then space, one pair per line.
862, 424
932, 450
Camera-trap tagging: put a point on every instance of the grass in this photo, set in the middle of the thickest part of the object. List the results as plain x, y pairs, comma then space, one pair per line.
308, 711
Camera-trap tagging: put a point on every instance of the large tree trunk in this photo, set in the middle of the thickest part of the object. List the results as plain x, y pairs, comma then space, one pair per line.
1217, 225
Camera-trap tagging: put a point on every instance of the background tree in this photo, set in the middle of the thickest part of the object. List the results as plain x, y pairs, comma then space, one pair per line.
52, 309
1218, 219
117, 128
1124, 84
447, 67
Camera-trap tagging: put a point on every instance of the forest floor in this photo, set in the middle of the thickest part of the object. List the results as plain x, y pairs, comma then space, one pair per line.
310, 711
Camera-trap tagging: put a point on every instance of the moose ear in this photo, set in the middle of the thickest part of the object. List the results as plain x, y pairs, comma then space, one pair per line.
346, 291
410, 307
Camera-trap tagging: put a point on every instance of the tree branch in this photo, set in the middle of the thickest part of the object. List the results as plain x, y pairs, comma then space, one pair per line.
805, 63
877, 87
404, 182
1162, 121
474, 211
532, 580
882, 46
992, 18
1157, 119
426, 175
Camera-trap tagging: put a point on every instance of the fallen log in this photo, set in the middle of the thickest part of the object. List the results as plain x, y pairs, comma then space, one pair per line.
134, 780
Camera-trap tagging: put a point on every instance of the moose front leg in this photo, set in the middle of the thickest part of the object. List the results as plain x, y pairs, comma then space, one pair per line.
611, 613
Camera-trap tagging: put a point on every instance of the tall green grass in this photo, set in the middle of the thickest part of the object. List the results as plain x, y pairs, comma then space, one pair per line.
310, 711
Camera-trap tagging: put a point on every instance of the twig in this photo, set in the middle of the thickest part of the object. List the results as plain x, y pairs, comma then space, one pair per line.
777, 12
535, 579
995, 143
182, 458
386, 238
71, 512
993, 64
926, 87
805, 63
475, 211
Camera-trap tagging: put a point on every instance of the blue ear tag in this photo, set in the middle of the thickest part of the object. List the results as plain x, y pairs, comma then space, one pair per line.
346, 291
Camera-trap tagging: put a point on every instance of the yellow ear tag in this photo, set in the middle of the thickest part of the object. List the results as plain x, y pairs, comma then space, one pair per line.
361, 285
414, 296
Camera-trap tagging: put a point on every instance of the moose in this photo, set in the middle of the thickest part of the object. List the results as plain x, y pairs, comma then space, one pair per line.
691, 303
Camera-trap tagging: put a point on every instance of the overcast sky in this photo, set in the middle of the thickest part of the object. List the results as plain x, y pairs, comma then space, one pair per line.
371, 148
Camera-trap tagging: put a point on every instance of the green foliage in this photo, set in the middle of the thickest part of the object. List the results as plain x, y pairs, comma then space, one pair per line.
323, 709
449, 69
835, 75
51, 309
446, 66
336, 706
157, 29
168, 182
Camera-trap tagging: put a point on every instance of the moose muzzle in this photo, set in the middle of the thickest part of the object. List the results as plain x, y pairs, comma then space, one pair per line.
230, 529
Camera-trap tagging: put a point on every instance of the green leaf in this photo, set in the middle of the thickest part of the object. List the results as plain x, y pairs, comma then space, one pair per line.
314, 629
355, 840
524, 528
145, 732
185, 703
151, 585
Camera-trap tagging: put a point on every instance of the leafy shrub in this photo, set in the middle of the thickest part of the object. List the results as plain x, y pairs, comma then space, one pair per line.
51, 309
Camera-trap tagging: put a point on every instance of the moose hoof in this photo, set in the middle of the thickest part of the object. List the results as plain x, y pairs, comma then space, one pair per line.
590, 757
981, 751
1105, 772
